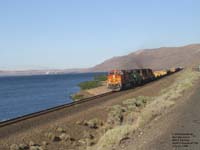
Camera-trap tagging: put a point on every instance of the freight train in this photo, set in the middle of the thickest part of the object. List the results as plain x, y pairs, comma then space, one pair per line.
118, 80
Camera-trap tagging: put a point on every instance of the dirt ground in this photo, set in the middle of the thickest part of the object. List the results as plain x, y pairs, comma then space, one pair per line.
93, 92
75, 130
99, 90
181, 122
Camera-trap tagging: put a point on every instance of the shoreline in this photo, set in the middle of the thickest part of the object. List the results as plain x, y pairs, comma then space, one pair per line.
72, 124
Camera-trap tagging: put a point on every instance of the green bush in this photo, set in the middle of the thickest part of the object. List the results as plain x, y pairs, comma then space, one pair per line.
115, 115
136, 102
100, 78
96, 82
94, 123
143, 99
89, 84
77, 97
129, 101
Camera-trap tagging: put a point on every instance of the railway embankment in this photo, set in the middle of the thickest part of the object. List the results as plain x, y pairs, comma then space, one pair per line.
91, 88
135, 113
104, 123
86, 93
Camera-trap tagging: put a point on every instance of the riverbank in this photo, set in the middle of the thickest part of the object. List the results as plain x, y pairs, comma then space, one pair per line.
21, 95
91, 92
87, 127
96, 86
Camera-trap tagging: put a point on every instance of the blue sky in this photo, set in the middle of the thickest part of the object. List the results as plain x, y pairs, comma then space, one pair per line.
40, 34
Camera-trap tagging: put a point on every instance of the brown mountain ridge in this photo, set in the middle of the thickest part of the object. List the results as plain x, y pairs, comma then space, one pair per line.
158, 58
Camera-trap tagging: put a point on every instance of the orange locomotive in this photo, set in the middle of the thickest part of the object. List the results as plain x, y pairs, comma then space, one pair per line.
123, 79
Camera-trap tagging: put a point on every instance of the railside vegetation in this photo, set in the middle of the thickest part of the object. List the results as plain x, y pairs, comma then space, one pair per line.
96, 82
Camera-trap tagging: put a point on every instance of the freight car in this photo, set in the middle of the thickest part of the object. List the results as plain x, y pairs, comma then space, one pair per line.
160, 73
123, 79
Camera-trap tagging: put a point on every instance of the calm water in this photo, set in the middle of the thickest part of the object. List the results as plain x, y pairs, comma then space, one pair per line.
26, 94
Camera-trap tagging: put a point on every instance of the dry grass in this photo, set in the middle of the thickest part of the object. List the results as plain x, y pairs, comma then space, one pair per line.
94, 123
114, 136
115, 115
155, 106
169, 95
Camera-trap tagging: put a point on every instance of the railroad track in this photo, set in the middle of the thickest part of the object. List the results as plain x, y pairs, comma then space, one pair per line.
54, 109
46, 111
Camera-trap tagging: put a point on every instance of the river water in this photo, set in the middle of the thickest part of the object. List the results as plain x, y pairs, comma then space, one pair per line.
20, 95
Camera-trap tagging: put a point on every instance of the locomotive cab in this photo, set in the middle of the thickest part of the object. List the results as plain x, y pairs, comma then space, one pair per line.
114, 80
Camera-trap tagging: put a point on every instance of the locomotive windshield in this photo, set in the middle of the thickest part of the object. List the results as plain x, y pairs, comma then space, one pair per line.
116, 72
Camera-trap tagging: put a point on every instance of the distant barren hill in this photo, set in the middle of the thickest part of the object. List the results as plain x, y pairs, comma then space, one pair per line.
157, 58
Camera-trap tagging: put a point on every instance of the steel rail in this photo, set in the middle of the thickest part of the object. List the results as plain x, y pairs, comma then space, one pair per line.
53, 109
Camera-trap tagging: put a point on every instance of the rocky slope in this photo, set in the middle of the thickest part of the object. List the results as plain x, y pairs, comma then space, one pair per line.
157, 58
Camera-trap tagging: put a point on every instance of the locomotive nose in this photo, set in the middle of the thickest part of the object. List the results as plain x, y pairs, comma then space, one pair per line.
114, 81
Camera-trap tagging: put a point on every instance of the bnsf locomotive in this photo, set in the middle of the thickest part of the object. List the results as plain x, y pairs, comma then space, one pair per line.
123, 79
